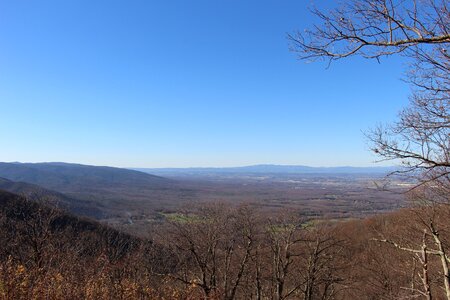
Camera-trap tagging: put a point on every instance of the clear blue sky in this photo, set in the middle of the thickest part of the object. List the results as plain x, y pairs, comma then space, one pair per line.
181, 83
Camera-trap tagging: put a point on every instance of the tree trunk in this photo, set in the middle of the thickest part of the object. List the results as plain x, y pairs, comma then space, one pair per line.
444, 261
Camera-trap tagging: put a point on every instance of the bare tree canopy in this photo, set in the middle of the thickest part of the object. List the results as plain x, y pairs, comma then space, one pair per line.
374, 28
419, 30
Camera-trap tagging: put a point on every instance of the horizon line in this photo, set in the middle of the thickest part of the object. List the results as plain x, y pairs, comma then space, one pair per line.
206, 167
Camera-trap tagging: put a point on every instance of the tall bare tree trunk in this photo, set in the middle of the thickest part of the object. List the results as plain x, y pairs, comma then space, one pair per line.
425, 278
444, 261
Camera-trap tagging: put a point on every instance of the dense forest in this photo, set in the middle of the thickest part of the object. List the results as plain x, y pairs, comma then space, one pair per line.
218, 252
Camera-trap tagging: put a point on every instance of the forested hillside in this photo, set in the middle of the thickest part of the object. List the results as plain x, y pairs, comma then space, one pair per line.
99, 192
65, 177
218, 252
40, 194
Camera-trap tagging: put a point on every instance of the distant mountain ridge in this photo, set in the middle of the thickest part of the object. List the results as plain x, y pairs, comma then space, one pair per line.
40, 194
59, 176
112, 194
95, 191
268, 168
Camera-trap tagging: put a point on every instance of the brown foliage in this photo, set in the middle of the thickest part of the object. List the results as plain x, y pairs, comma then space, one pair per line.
221, 252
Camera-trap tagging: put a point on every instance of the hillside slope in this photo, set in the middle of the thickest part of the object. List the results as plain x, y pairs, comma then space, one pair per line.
101, 192
35, 233
65, 176
36, 193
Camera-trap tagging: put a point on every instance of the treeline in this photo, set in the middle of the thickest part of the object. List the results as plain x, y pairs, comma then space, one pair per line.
219, 252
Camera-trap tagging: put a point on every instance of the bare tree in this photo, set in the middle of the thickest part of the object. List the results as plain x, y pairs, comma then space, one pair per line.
213, 247
305, 261
430, 218
284, 235
418, 30
323, 261
421, 255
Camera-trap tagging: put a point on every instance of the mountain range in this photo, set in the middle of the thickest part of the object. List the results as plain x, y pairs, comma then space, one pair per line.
268, 169
99, 192
37, 193
64, 176
114, 193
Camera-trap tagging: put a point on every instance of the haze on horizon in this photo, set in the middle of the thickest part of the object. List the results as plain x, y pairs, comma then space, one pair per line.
182, 84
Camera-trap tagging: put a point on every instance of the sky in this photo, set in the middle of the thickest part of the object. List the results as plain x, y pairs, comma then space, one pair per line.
198, 83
